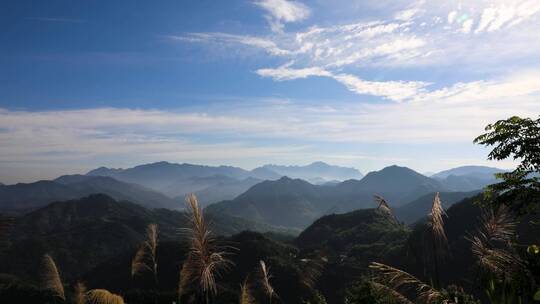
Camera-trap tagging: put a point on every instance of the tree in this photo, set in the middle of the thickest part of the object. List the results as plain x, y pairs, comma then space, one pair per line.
519, 139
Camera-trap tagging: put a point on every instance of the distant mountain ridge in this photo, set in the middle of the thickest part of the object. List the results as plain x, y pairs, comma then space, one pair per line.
297, 203
468, 178
217, 183
317, 172
214, 183
398, 185
35, 195
468, 170
419, 208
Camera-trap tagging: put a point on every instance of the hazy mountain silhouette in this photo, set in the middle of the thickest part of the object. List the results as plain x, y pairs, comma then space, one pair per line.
468, 178
161, 175
468, 170
225, 190
285, 202
297, 203
421, 207
217, 183
34, 195
317, 172
398, 185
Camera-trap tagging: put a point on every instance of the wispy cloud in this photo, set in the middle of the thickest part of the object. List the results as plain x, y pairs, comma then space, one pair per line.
392, 90
506, 14
289, 131
223, 38
426, 34
285, 73
452, 115
283, 11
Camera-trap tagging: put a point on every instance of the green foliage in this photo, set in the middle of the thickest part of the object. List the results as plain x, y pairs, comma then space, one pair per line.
537, 295
503, 293
533, 250
363, 292
517, 138
317, 298
456, 294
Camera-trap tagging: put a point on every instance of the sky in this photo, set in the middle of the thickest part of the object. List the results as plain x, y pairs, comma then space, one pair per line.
358, 83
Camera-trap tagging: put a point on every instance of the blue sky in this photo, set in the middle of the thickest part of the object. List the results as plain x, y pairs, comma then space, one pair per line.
356, 83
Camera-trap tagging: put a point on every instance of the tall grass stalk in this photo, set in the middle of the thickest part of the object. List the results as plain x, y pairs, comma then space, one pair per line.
383, 204
206, 260
439, 241
50, 277
265, 277
397, 280
102, 296
146, 257
245, 293
79, 296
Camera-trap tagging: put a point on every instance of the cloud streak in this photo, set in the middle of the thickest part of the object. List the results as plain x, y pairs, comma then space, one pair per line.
425, 34
451, 115
283, 11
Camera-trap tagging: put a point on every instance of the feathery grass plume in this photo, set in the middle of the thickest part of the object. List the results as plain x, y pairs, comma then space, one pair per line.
102, 296
436, 220
265, 277
397, 279
50, 277
383, 205
245, 293
387, 291
437, 238
491, 243
311, 272
145, 258
205, 259
79, 293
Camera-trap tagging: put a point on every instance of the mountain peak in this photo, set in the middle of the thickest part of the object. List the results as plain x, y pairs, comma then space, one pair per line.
469, 170
319, 164
317, 172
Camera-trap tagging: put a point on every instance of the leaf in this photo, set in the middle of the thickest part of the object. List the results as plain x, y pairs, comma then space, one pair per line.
533, 249
537, 295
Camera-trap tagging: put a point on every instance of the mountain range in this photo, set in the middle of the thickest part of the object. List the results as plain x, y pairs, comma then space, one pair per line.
176, 180
316, 173
421, 207
268, 198
23, 197
297, 203
468, 178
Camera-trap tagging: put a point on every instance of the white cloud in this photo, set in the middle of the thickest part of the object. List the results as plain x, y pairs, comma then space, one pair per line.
451, 17
467, 26
393, 90
223, 38
285, 73
447, 116
407, 14
410, 37
443, 110
281, 11
506, 14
